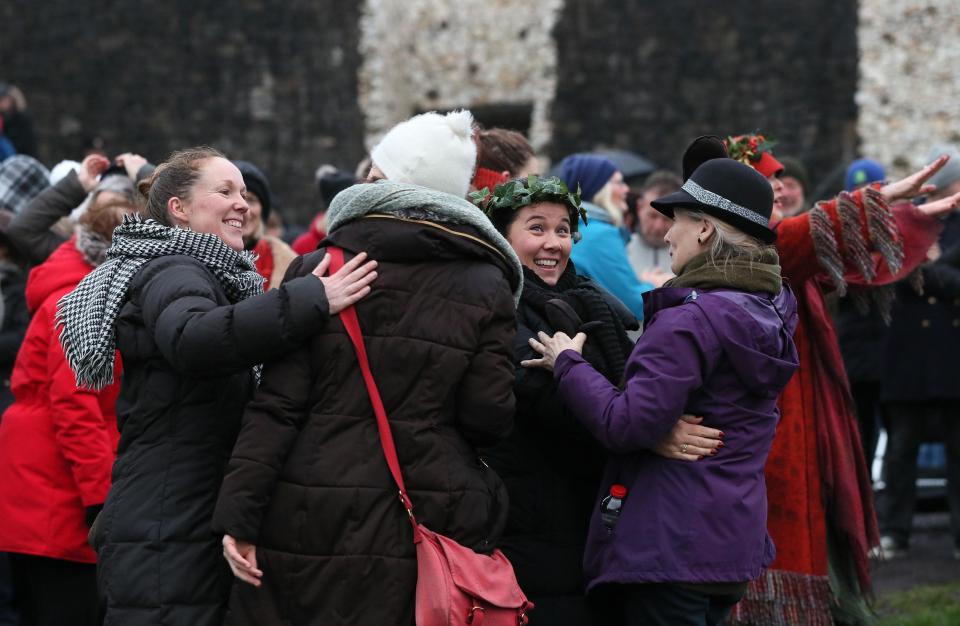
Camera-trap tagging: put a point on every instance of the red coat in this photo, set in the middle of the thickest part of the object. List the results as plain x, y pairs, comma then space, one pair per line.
817, 479
273, 259
308, 241
57, 442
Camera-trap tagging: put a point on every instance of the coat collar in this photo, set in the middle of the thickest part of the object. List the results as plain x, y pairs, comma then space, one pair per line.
666, 297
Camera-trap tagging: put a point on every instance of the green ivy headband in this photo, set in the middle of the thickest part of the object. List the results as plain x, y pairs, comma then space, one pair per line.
516, 194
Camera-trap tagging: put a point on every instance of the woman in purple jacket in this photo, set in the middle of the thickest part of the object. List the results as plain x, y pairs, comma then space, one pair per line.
718, 343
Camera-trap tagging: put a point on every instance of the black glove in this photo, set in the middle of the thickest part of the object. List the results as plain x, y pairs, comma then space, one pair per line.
563, 318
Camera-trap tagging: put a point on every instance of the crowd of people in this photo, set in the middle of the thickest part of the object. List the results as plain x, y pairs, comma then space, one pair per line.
637, 390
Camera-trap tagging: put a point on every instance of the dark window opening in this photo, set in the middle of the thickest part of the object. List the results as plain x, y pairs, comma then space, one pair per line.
512, 116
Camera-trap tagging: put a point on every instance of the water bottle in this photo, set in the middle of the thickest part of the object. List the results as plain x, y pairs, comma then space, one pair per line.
611, 506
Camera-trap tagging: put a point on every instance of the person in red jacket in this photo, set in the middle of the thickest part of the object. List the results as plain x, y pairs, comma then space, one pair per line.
57, 441
821, 514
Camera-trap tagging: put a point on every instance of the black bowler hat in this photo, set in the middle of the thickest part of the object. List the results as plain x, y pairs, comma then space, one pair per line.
730, 191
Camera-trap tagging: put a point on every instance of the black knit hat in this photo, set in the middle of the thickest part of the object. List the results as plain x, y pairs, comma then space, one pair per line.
332, 183
701, 150
257, 184
730, 191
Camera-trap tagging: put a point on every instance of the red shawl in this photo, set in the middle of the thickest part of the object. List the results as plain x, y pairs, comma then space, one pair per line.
816, 473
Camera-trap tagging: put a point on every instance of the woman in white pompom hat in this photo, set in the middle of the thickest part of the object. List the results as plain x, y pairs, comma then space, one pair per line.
429, 150
313, 528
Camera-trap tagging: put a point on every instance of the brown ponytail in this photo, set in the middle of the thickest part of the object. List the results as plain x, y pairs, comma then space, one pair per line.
172, 179
502, 150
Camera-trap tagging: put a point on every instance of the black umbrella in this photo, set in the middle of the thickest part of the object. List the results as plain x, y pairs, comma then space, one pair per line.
629, 163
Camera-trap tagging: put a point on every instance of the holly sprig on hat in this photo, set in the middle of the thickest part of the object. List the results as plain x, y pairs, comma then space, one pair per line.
748, 148
516, 194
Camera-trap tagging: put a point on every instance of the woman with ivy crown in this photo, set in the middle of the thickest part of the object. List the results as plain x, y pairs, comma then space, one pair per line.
550, 463
686, 537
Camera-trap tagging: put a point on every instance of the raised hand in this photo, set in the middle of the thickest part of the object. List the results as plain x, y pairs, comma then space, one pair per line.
90, 169
131, 163
941, 207
915, 184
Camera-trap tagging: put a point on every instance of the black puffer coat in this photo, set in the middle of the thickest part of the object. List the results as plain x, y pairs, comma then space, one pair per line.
550, 463
187, 356
921, 347
308, 484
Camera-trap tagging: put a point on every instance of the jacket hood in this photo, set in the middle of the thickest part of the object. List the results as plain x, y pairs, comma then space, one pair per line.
391, 238
597, 212
429, 207
64, 268
755, 330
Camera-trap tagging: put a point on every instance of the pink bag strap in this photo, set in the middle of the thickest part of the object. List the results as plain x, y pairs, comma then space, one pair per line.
352, 324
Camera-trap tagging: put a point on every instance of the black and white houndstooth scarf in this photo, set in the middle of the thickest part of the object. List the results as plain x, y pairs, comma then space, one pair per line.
87, 314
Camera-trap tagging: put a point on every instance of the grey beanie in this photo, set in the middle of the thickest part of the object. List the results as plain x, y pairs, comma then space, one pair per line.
950, 173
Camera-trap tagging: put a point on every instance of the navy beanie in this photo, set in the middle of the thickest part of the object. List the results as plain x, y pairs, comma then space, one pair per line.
257, 184
589, 171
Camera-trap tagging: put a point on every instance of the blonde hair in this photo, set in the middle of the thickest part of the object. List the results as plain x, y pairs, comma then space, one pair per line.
604, 200
727, 242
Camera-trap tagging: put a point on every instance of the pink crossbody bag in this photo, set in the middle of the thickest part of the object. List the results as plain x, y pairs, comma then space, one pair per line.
455, 585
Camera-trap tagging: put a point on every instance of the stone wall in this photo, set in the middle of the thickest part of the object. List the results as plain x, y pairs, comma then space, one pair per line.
909, 79
291, 85
651, 76
436, 54
274, 83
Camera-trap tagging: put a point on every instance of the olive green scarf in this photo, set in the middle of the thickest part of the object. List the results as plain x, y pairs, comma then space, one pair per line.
759, 271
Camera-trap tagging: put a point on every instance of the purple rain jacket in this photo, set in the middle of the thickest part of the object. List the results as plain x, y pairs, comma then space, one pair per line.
721, 354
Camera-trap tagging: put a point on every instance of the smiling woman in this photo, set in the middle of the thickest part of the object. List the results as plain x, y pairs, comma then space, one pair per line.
551, 499
213, 203
542, 237
718, 343
181, 301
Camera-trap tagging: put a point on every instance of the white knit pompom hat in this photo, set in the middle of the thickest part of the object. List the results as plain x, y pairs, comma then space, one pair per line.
61, 169
431, 150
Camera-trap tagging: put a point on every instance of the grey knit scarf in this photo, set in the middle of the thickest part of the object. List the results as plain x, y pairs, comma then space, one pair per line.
418, 203
87, 314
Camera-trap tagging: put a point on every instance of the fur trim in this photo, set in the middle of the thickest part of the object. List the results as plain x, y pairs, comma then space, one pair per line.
412, 202
825, 245
855, 249
884, 235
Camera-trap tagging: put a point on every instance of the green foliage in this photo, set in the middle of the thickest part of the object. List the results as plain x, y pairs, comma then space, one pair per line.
937, 605
516, 194
748, 148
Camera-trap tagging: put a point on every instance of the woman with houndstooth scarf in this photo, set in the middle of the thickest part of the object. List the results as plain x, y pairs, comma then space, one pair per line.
181, 300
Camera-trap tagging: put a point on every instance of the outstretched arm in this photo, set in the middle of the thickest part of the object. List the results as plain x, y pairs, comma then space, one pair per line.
30, 230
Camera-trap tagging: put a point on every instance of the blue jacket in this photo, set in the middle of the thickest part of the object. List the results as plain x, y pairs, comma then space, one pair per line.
601, 254
722, 354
